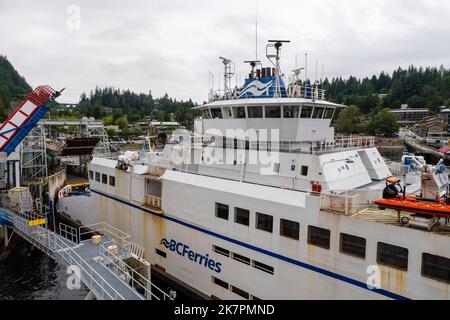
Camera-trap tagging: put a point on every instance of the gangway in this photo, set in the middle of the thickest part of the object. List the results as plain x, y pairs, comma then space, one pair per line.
104, 272
30, 111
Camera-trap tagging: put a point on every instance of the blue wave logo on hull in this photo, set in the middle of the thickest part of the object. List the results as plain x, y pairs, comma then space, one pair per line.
184, 251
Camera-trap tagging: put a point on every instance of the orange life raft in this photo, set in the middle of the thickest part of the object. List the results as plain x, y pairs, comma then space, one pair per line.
416, 205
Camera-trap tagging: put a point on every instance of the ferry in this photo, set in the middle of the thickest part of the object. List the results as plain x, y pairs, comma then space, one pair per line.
263, 201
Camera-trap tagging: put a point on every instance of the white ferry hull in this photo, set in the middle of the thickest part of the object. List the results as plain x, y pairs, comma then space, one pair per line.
301, 271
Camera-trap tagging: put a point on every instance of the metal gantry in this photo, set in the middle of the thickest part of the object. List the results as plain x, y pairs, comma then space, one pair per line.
33, 157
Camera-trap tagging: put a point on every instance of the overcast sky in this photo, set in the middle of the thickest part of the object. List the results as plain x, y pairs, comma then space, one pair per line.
170, 46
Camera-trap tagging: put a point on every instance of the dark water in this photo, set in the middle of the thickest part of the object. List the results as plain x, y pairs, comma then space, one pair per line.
393, 153
32, 275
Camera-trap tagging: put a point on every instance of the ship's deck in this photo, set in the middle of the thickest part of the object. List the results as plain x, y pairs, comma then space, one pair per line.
390, 217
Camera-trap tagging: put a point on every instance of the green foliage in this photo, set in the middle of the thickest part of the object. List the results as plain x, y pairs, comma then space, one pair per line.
13, 87
111, 132
418, 87
102, 103
132, 118
384, 123
348, 120
122, 122
108, 120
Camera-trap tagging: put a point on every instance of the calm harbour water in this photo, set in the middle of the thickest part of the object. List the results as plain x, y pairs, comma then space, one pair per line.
32, 275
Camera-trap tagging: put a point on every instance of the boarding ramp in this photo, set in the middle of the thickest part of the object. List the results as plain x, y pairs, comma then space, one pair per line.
102, 263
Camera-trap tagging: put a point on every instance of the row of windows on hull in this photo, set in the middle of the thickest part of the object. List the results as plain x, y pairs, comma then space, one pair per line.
103, 178
269, 112
234, 289
243, 259
235, 256
433, 266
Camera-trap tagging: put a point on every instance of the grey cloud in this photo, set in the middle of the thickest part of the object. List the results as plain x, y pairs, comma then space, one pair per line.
170, 46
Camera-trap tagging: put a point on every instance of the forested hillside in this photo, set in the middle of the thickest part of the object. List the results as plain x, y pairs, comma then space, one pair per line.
13, 87
417, 87
115, 105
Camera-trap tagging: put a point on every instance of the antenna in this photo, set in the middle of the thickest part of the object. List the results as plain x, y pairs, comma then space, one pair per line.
316, 71
253, 64
227, 75
306, 67
277, 45
256, 30
297, 74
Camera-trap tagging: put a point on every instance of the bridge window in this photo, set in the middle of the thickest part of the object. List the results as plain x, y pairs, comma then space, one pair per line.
318, 112
239, 112
220, 283
216, 113
255, 112
242, 216
97, 176
91, 175
393, 256
221, 251
222, 211
206, 114
436, 267
104, 178
240, 292
290, 229
273, 112
319, 237
328, 113
306, 112
263, 267
290, 112
227, 112
264, 222
112, 181
353, 245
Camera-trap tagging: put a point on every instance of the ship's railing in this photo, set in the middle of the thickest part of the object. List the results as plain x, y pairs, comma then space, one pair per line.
132, 277
121, 238
61, 247
305, 146
307, 92
343, 143
157, 169
292, 91
398, 168
340, 203
68, 232
153, 201
348, 202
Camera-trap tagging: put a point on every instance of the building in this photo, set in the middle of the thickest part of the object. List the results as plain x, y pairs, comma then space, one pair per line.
433, 129
410, 116
445, 114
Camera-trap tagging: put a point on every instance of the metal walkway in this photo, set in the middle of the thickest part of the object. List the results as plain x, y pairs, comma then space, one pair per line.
105, 273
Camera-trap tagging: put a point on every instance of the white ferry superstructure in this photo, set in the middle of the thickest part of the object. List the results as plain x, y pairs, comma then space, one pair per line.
301, 227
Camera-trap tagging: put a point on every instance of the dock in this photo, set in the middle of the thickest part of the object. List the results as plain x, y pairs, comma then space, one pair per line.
101, 266
422, 149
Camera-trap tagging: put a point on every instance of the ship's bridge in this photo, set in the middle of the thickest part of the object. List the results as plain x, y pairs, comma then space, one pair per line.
297, 119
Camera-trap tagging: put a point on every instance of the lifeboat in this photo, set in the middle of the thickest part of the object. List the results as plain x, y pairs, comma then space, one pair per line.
392, 199
416, 205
